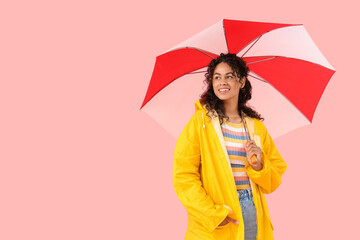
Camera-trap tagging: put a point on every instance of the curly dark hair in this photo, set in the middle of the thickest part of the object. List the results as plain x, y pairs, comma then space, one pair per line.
213, 103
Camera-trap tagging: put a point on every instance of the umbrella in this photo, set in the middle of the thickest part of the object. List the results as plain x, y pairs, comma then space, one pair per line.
287, 71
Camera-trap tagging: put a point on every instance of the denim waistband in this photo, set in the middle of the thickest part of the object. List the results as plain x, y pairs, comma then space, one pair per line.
245, 193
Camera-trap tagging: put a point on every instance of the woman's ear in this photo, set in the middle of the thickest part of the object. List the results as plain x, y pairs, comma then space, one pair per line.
243, 81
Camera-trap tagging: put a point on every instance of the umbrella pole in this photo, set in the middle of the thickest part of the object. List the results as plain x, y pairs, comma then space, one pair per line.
253, 158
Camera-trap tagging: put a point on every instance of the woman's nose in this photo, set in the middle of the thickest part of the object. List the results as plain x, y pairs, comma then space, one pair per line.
223, 81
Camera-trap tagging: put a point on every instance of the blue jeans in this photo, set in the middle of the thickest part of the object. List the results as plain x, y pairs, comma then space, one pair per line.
248, 212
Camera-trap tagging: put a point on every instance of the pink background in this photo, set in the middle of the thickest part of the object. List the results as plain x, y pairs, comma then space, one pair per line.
78, 160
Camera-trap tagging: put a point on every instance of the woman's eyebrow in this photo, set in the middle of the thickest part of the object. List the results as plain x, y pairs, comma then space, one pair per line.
232, 73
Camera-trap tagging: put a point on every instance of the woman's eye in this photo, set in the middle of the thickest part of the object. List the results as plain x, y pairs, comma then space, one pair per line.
229, 77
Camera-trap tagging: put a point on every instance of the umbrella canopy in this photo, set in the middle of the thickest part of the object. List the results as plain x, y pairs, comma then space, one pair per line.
287, 71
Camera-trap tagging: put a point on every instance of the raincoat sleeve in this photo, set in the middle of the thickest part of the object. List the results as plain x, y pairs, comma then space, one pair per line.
187, 182
269, 177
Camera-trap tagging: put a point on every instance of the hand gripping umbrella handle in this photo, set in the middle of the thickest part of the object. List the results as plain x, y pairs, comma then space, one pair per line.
253, 159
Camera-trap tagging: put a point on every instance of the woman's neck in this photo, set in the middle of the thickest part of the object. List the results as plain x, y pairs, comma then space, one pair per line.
231, 111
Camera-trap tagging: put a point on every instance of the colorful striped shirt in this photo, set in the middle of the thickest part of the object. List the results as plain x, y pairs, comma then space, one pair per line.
235, 137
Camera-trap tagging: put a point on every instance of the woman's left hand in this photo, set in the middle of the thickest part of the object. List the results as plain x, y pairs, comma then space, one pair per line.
253, 149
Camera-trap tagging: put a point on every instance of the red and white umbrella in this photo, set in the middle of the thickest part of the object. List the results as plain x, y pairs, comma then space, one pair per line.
287, 71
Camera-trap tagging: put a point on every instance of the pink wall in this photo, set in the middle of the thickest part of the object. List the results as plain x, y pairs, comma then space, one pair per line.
78, 160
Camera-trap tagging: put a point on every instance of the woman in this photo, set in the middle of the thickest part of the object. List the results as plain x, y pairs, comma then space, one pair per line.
213, 176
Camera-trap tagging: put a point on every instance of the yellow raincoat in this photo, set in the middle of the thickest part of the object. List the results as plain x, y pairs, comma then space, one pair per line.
203, 180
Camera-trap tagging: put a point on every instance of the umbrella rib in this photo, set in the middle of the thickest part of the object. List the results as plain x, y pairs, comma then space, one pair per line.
247, 64
260, 36
202, 52
251, 46
226, 41
197, 72
257, 78
262, 60
258, 62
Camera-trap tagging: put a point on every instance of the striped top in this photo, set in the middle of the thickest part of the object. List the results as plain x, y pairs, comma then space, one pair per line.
235, 137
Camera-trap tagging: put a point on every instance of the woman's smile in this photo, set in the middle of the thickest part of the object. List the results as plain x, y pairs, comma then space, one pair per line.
224, 90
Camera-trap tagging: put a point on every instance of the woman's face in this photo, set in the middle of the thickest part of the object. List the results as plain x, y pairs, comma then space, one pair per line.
225, 83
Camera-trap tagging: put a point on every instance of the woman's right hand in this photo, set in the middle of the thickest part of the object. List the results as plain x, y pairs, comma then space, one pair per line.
227, 220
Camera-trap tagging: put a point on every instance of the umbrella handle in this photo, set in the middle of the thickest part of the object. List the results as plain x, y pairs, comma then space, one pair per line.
253, 159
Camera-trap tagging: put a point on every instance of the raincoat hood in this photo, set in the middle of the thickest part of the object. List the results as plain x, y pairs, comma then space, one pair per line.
201, 107
198, 105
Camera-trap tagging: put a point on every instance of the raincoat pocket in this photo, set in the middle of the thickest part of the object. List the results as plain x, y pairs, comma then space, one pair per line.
221, 227
222, 232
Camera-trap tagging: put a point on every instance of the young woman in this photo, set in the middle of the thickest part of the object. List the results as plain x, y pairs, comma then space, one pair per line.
225, 160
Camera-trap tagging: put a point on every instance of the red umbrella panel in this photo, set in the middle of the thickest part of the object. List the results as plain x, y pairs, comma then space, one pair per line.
288, 74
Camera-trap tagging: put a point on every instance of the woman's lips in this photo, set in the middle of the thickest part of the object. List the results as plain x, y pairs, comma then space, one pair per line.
224, 90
